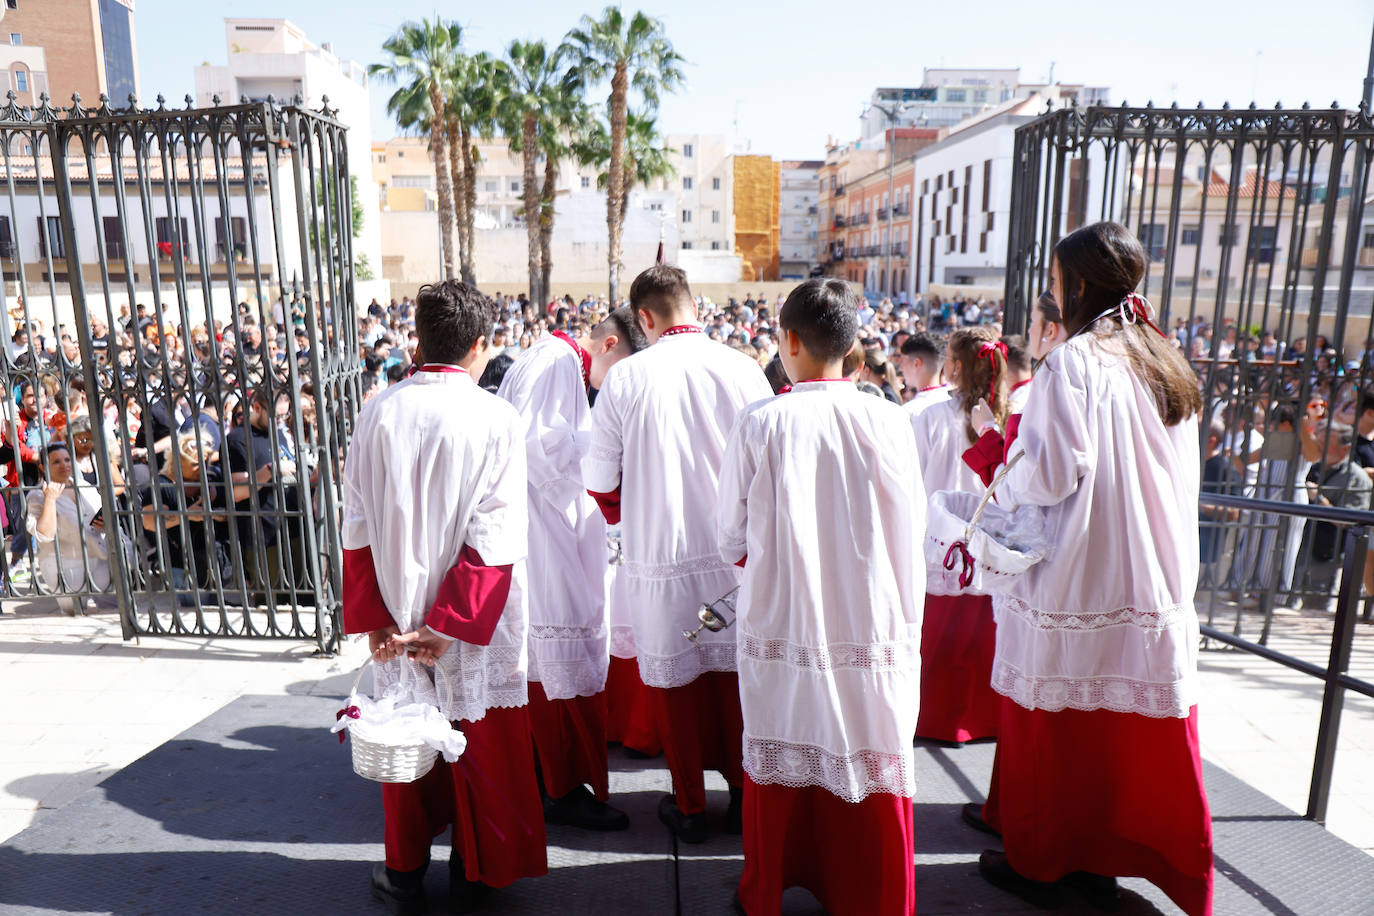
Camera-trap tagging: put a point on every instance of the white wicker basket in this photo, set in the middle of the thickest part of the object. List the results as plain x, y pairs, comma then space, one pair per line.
975, 547
382, 759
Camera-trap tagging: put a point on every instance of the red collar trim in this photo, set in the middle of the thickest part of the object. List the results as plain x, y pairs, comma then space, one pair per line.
582, 355
805, 380
442, 367
1020, 384
681, 329
930, 388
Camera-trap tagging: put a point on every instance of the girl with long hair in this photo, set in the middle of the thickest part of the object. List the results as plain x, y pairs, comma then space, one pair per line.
1100, 774
957, 631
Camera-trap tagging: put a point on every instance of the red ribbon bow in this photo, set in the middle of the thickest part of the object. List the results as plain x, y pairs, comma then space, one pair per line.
985, 352
1136, 307
966, 573
352, 712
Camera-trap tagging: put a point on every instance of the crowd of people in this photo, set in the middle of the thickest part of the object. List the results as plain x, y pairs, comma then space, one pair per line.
202, 451
775, 609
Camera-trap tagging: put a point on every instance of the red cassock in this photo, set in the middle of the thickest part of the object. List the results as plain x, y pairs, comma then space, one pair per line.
790, 841
699, 725
489, 794
1105, 792
958, 641
630, 709
570, 741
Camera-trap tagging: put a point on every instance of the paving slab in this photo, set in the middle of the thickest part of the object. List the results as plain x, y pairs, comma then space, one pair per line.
255, 810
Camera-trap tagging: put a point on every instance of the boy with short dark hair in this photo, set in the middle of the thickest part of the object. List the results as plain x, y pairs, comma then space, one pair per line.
829, 623
921, 357
439, 572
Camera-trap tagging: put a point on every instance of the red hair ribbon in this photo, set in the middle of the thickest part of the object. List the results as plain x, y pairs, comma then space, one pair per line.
985, 352
965, 574
1136, 307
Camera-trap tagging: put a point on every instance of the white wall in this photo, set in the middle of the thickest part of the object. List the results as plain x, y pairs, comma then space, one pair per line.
578, 248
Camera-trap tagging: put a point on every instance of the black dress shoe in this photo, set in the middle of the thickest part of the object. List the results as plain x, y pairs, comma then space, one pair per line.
1101, 891
403, 892
972, 813
689, 828
464, 896
580, 808
997, 871
734, 815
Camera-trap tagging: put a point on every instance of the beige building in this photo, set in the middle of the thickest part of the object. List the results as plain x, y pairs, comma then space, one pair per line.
65, 46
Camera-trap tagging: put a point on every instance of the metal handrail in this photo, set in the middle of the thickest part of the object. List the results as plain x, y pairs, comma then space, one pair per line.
1336, 673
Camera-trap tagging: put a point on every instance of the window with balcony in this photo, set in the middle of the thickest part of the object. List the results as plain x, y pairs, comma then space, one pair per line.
50, 237
1154, 236
1262, 241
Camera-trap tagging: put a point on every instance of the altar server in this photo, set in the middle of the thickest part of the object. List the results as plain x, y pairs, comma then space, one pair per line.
658, 434
920, 360
822, 501
957, 639
568, 639
1100, 772
434, 536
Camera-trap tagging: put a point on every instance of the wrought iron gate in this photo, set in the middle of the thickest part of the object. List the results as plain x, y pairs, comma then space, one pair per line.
193, 268
1261, 266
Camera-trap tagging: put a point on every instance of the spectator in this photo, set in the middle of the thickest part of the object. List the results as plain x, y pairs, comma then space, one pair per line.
1335, 481
69, 532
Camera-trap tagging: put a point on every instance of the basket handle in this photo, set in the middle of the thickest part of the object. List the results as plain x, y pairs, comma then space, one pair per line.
988, 494
405, 674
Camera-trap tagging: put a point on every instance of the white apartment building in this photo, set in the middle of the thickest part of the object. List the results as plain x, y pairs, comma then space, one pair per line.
963, 200
274, 57
799, 216
948, 96
705, 189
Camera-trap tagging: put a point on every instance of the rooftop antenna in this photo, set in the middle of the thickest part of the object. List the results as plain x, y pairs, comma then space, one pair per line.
1050, 81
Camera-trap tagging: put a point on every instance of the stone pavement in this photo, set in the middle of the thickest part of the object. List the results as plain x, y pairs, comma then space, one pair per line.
294, 832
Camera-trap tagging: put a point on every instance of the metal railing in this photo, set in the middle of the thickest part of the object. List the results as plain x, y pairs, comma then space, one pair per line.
208, 452
1336, 674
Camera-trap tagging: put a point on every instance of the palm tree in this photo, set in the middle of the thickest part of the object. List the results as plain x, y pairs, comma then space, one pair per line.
634, 53
646, 157
411, 109
565, 112
472, 94
532, 80
421, 56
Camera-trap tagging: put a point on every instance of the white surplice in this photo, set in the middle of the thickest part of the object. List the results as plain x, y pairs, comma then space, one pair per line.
436, 463
942, 439
658, 433
821, 490
1106, 621
566, 571
924, 400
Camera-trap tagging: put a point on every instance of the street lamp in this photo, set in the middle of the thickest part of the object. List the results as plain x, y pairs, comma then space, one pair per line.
893, 115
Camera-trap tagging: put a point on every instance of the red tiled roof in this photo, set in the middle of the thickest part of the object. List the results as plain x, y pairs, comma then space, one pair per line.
1250, 186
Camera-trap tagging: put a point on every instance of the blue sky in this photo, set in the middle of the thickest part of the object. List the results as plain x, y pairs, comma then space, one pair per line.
792, 74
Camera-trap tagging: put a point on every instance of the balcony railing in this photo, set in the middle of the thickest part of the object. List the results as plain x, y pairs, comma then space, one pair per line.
902, 210
859, 219
812, 210
839, 190
839, 222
